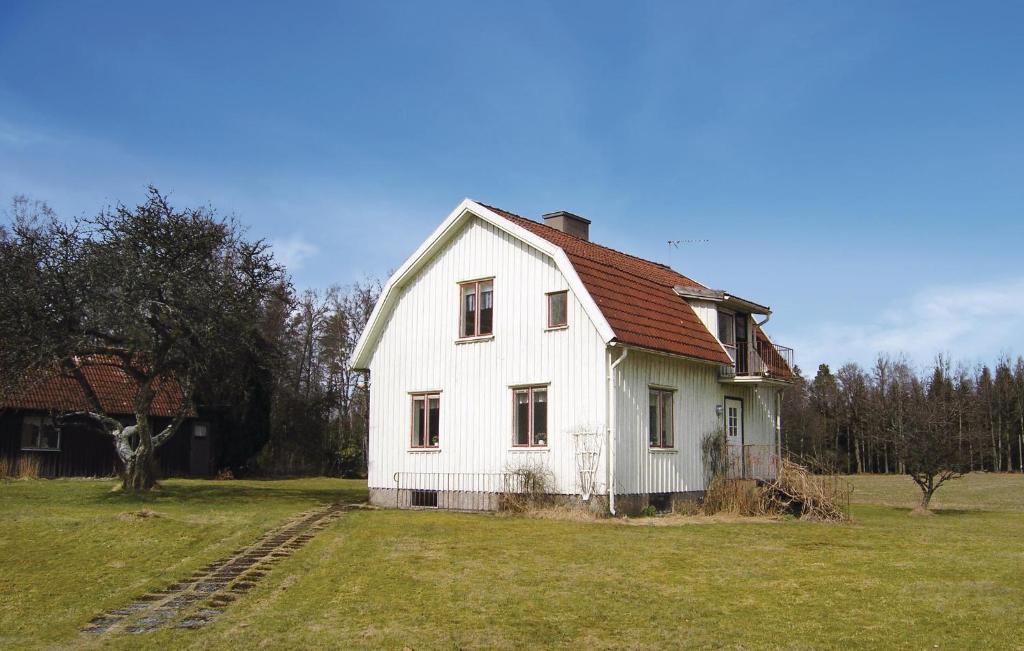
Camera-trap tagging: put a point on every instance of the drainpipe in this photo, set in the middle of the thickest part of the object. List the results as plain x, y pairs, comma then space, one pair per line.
612, 411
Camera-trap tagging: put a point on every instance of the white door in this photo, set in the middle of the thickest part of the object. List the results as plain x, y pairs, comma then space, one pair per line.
734, 435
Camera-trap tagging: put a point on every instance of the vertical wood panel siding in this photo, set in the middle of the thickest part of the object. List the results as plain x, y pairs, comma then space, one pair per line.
418, 351
639, 469
707, 312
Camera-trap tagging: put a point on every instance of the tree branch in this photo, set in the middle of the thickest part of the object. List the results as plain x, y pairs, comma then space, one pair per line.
183, 409
113, 427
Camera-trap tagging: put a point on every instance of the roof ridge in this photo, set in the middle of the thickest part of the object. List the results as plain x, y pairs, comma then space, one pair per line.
608, 248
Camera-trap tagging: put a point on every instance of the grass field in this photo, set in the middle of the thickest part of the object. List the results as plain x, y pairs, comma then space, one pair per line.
390, 579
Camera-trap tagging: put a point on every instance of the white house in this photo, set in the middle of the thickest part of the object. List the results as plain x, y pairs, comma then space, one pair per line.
505, 343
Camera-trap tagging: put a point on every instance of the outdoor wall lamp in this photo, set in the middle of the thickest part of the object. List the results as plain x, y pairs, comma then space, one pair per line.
719, 409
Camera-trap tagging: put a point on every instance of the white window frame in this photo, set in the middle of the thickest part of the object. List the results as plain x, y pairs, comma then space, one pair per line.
39, 421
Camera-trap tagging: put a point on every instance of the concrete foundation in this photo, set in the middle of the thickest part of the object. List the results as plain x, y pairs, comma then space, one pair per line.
394, 498
686, 502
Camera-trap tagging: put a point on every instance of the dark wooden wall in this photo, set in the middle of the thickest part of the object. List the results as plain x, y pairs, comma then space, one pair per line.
86, 452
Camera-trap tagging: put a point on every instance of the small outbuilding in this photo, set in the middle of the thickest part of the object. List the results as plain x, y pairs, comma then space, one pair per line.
38, 425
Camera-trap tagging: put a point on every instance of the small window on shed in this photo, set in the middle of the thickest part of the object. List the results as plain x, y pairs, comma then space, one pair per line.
558, 309
40, 434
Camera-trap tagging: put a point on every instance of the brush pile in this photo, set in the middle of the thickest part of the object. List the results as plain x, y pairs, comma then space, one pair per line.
807, 495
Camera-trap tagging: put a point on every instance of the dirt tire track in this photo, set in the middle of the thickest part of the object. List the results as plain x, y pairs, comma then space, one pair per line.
198, 600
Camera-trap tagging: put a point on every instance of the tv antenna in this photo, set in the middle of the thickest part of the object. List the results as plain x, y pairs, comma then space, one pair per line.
673, 245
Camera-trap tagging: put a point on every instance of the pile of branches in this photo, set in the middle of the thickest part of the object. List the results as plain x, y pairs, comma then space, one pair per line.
807, 495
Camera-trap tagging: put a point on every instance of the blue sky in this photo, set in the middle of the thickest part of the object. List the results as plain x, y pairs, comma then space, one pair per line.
857, 166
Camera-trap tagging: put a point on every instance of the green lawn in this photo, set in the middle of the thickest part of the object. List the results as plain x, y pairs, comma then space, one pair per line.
389, 579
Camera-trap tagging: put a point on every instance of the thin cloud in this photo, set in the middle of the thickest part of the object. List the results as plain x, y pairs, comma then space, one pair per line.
293, 251
967, 322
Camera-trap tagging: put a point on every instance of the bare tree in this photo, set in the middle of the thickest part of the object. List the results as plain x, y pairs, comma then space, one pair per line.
930, 452
164, 294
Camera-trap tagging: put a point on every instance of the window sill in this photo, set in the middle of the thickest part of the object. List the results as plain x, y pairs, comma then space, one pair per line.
423, 450
524, 449
556, 328
40, 449
663, 450
473, 340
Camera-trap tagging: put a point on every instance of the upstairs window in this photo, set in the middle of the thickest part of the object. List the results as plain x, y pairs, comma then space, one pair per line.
661, 418
426, 420
727, 328
477, 308
38, 433
530, 406
558, 309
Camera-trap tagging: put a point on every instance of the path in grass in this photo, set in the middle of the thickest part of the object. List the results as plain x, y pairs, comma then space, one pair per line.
199, 599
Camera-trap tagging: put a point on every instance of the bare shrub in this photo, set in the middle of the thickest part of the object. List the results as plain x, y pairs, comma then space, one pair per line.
725, 495
528, 487
714, 452
736, 496
6, 468
28, 467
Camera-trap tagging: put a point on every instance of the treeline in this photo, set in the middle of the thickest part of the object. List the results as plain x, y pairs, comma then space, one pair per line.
317, 404
864, 420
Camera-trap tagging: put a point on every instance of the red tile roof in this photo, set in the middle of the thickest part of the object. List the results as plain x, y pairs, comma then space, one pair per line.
635, 295
114, 388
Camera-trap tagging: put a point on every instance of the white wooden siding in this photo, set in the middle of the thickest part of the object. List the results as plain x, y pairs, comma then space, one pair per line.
707, 312
638, 468
418, 351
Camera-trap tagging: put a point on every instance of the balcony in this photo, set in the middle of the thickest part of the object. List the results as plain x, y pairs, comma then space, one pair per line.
758, 359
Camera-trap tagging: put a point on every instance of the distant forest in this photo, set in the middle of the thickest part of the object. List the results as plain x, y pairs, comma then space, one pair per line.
856, 420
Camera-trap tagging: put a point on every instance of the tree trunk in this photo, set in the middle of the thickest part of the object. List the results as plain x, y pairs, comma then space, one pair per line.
140, 470
926, 497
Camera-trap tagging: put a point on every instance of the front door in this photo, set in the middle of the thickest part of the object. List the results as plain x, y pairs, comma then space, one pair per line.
734, 435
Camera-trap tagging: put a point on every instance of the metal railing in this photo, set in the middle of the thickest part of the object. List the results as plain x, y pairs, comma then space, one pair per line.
759, 462
758, 358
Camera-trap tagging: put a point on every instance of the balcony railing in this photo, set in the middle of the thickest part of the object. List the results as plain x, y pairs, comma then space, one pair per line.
759, 358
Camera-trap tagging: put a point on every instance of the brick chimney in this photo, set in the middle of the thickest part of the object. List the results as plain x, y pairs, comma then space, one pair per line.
569, 223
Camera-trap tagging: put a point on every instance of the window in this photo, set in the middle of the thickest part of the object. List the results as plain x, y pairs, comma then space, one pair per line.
558, 309
426, 420
661, 422
427, 499
38, 433
531, 416
732, 421
727, 328
477, 308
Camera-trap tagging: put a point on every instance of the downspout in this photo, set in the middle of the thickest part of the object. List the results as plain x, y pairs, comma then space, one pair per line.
612, 411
